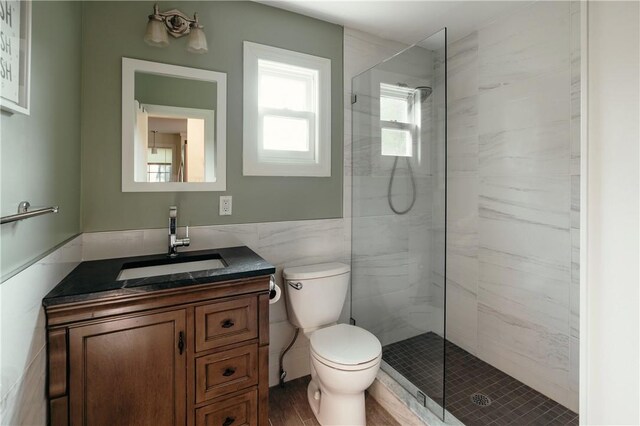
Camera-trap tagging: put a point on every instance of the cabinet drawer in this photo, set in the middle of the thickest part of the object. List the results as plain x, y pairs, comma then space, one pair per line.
224, 372
222, 323
239, 410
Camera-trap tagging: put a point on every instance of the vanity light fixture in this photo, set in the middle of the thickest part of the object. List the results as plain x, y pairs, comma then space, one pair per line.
177, 24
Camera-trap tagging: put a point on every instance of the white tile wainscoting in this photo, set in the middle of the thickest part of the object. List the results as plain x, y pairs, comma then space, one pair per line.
22, 318
23, 341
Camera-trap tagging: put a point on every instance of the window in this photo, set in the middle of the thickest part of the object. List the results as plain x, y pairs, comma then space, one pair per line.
397, 120
159, 164
287, 104
159, 172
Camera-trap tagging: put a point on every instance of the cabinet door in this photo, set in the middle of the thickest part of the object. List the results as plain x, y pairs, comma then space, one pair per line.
129, 371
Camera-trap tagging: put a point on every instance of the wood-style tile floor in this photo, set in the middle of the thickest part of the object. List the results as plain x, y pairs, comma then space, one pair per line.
288, 406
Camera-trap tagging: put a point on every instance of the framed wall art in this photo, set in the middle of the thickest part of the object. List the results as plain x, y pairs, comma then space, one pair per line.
15, 55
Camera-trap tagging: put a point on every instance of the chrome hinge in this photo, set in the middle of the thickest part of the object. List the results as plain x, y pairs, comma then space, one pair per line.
422, 398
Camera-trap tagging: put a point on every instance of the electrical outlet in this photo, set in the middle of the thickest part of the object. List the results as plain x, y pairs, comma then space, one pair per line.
225, 205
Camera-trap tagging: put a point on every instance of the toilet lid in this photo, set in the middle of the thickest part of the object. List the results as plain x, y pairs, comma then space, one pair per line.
321, 270
345, 344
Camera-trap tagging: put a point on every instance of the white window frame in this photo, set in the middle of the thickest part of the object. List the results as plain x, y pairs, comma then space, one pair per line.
260, 162
388, 91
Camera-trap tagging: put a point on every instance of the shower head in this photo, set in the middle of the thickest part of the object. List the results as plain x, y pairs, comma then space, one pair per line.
425, 92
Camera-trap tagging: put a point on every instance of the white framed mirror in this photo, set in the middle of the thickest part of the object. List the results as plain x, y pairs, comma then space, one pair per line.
173, 128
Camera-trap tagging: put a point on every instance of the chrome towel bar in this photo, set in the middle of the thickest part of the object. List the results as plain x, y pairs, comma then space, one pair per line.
25, 213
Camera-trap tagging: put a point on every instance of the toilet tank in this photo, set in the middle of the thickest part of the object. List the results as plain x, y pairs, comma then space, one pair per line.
316, 294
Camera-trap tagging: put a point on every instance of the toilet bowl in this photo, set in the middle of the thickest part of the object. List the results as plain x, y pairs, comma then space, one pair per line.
344, 359
344, 362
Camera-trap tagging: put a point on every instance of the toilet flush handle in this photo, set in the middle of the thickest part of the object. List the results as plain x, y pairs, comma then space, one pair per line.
297, 286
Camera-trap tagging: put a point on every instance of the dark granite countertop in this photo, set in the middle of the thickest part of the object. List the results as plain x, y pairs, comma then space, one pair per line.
96, 279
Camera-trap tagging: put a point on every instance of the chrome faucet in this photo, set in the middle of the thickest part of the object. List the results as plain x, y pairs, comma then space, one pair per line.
174, 241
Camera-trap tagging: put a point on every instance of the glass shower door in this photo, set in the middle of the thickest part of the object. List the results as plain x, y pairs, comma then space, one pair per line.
399, 213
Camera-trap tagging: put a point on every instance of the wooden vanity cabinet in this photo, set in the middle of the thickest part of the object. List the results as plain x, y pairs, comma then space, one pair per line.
190, 356
128, 368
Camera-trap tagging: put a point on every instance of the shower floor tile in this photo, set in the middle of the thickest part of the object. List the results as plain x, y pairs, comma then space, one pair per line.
419, 359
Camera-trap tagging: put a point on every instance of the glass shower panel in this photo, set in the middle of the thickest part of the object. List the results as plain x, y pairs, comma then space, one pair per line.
399, 213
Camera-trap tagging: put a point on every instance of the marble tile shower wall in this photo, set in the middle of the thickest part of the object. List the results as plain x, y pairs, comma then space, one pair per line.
513, 196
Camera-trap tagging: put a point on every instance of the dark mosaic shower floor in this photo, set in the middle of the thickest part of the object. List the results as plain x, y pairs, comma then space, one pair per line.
419, 359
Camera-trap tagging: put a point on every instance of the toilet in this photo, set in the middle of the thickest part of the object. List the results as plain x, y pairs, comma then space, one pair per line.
344, 358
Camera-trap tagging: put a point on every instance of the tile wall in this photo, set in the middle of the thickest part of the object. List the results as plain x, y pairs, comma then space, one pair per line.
513, 229
23, 349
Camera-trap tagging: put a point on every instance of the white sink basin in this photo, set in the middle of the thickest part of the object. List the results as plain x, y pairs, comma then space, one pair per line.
168, 269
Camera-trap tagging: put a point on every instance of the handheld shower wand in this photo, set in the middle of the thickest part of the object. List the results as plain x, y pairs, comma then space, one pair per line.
425, 92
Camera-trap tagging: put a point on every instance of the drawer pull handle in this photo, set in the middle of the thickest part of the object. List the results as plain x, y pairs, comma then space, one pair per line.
229, 372
228, 421
228, 323
181, 342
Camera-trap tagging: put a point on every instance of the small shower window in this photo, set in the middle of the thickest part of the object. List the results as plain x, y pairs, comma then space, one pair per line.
396, 142
397, 125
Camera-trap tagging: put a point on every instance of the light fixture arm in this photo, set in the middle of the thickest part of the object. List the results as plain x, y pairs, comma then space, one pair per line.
177, 23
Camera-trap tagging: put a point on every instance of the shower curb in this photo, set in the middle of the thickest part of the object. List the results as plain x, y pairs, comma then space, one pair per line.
403, 406
394, 406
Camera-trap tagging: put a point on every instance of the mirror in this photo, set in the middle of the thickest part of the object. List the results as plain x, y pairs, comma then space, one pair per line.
173, 128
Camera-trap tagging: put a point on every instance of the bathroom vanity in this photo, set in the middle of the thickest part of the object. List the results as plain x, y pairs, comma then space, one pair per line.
189, 348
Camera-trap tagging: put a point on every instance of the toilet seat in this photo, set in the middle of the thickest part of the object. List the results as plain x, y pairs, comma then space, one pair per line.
344, 367
346, 347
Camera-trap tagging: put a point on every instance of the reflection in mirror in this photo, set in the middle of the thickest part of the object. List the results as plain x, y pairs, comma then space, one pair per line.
174, 139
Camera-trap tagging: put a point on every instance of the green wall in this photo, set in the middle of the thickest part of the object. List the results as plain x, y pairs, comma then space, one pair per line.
40, 153
112, 30
172, 91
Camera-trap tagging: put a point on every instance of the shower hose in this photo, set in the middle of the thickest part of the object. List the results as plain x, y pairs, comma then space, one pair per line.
413, 187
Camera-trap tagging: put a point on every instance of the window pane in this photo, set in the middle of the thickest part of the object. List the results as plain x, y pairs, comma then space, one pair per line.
163, 155
283, 93
285, 133
394, 109
396, 142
